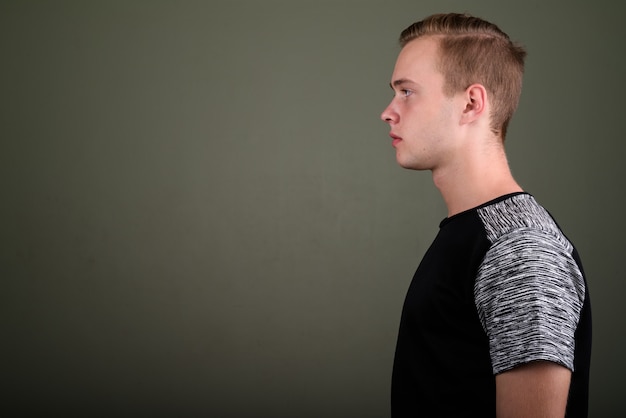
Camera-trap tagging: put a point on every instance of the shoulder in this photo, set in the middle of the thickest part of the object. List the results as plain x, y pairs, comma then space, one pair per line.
530, 258
519, 212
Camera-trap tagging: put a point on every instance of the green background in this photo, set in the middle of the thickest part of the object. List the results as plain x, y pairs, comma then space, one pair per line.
202, 214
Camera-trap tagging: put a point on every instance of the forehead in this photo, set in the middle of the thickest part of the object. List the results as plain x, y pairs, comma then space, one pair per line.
418, 57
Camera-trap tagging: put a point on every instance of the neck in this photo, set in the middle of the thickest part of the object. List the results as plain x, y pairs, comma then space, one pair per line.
475, 179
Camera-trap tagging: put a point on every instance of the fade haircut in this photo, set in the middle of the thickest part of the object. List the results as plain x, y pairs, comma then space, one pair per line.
472, 50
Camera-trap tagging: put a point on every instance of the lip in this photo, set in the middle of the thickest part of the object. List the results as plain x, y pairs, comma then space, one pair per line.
395, 139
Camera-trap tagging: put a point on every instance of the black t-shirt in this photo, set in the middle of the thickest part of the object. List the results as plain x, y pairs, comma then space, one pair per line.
500, 286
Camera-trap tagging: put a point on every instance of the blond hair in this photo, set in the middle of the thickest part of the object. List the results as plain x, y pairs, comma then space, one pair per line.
472, 50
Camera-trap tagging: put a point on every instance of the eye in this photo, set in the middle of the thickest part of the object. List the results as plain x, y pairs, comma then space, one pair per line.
406, 92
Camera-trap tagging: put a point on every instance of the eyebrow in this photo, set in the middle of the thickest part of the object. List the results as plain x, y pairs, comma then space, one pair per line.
400, 82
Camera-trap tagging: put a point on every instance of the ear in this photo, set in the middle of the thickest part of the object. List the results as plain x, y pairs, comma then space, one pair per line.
475, 103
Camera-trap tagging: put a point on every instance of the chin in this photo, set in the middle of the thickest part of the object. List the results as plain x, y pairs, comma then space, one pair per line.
409, 165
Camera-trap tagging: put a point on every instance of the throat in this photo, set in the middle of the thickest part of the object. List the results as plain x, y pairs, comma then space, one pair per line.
462, 191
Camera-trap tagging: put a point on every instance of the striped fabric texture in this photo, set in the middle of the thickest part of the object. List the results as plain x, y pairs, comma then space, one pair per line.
529, 291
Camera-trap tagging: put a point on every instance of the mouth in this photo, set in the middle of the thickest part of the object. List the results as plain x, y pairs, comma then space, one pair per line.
395, 139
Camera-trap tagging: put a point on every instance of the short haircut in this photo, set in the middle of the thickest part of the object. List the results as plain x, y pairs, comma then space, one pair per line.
472, 50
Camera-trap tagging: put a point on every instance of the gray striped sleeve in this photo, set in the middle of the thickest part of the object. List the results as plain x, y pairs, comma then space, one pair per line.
529, 293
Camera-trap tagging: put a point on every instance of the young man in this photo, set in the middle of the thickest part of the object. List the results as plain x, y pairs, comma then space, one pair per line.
497, 319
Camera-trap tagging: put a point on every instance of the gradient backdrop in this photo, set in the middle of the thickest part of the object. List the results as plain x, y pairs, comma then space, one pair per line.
201, 212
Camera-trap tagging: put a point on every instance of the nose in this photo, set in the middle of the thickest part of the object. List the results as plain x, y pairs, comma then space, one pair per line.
389, 115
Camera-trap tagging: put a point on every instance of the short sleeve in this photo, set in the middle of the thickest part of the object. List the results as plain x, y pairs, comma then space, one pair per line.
529, 294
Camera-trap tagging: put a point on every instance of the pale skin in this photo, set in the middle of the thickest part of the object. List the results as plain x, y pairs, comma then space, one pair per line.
452, 137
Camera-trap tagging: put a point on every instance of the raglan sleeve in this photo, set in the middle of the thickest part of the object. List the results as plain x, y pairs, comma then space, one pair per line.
529, 293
